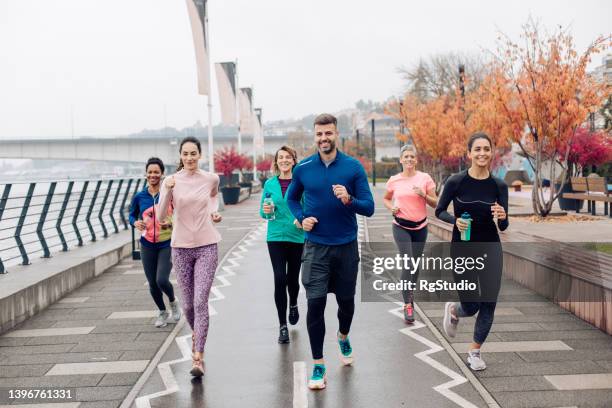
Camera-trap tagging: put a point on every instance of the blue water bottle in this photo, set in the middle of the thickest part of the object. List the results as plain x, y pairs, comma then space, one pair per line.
465, 235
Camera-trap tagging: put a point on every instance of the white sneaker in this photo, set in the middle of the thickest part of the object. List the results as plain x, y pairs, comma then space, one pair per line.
449, 324
475, 360
176, 310
162, 319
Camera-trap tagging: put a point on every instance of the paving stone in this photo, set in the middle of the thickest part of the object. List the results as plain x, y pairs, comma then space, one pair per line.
518, 384
120, 379
558, 326
24, 371
45, 349
132, 328
147, 336
56, 381
101, 404
600, 356
573, 336
88, 338
581, 381
50, 332
545, 399
145, 354
514, 346
116, 346
102, 393
128, 366
21, 359
541, 368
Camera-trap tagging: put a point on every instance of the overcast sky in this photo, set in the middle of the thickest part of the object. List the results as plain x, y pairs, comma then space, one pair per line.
117, 63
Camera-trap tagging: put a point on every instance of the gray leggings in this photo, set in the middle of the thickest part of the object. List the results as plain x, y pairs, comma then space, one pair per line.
411, 243
157, 265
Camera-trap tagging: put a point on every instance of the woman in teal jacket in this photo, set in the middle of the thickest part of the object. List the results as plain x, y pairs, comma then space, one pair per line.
285, 240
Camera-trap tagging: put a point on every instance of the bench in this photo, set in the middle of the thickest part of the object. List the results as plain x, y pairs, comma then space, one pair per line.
591, 189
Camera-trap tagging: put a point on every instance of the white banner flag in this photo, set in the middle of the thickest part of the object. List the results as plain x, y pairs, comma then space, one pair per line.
246, 110
197, 17
226, 82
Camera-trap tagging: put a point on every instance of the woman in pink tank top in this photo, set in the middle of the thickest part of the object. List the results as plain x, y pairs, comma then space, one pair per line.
407, 196
194, 196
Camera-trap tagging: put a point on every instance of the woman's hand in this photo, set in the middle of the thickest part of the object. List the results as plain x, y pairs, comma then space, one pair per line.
169, 183
267, 209
498, 211
418, 191
461, 224
140, 225
394, 210
216, 217
297, 224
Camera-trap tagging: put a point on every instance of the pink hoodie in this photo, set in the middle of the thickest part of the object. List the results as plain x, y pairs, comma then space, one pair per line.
192, 224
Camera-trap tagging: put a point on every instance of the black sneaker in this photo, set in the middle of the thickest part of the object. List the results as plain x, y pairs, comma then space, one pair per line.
283, 336
294, 315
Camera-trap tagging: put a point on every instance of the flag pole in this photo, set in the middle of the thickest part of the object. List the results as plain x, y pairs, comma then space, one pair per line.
238, 106
254, 135
211, 160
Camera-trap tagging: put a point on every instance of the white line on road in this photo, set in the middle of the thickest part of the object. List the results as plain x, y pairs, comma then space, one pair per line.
300, 396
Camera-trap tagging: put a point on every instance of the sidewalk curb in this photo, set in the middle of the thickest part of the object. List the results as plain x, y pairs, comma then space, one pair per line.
131, 397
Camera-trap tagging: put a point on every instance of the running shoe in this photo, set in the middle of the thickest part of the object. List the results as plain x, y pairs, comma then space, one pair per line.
449, 324
162, 319
319, 378
176, 311
409, 313
197, 369
294, 314
475, 360
346, 351
283, 336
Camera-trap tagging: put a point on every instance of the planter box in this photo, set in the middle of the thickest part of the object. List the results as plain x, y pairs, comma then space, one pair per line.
230, 195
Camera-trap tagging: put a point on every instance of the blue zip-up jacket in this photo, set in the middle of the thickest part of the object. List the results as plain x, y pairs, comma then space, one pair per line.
337, 222
141, 202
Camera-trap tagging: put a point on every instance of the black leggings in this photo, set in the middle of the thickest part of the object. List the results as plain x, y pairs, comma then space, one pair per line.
157, 265
412, 243
286, 260
315, 320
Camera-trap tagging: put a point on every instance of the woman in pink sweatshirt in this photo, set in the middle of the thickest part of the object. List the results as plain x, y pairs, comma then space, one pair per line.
194, 197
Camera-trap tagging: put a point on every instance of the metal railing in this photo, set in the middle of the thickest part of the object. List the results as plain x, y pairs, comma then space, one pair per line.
46, 217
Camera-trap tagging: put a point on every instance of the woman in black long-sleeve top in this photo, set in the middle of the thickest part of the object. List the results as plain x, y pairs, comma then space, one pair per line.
485, 199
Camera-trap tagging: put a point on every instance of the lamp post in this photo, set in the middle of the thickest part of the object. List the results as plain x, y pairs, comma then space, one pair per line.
373, 154
462, 90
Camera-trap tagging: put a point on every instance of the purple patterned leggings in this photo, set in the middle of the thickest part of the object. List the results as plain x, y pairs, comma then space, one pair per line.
195, 271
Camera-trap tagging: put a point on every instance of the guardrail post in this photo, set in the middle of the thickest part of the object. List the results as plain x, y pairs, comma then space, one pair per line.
122, 209
101, 213
41, 220
3, 201
77, 211
90, 211
22, 217
60, 217
112, 210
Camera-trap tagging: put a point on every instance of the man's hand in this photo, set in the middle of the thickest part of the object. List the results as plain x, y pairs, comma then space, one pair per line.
297, 224
309, 223
140, 225
341, 193
216, 217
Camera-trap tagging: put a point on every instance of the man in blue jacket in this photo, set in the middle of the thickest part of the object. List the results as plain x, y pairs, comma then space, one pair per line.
335, 188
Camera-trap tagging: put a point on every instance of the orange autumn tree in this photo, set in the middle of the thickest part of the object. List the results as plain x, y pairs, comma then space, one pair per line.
542, 93
438, 131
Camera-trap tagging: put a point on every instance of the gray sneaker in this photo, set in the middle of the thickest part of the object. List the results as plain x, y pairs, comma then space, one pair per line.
475, 360
162, 319
449, 324
176, 311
